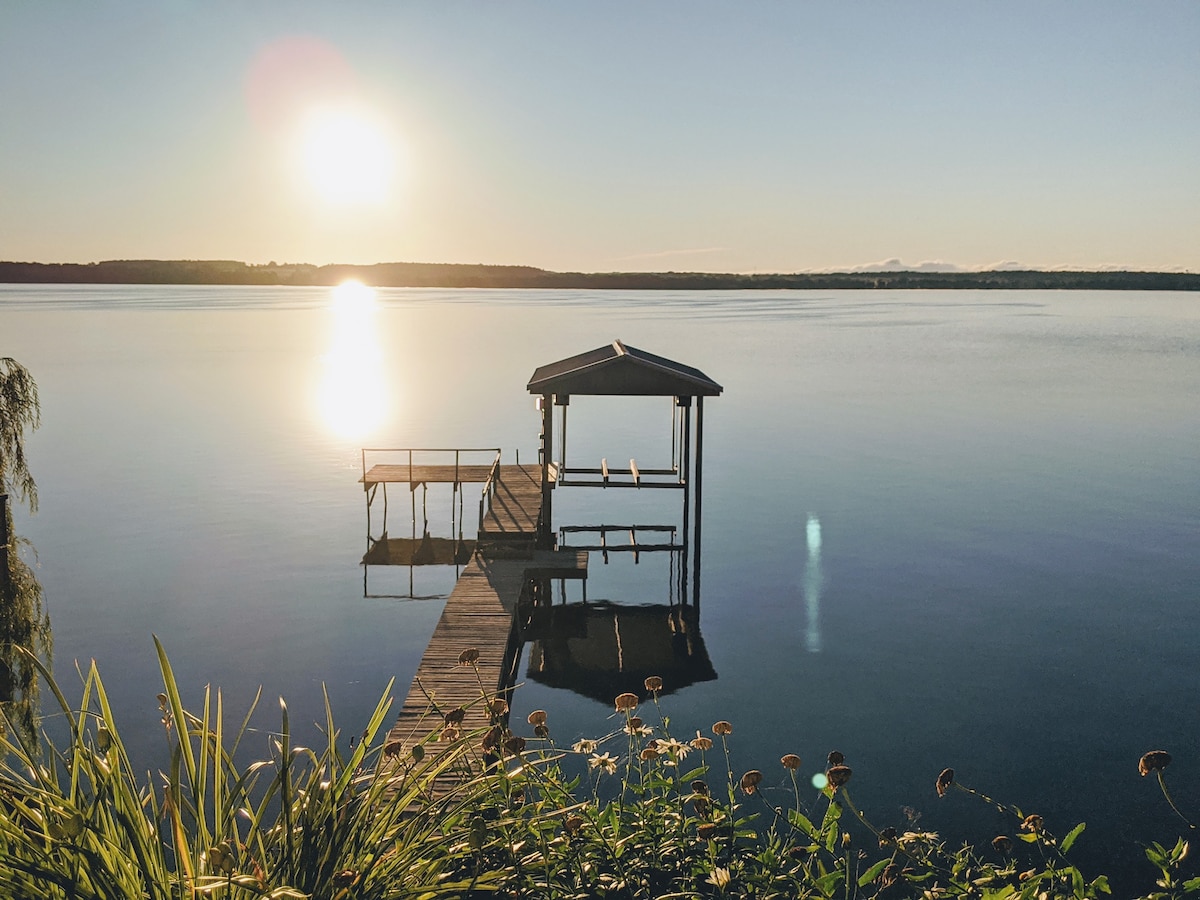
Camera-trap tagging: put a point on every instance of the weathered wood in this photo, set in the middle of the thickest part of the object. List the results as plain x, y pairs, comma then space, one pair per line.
402, 473
479, 616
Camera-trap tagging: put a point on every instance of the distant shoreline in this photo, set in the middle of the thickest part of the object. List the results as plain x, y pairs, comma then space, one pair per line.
451, 275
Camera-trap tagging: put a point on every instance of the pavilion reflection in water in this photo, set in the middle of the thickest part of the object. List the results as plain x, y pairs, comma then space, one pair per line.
600, 650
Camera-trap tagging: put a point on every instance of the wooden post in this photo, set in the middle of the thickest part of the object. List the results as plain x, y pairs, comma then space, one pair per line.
547, 454
686, 403
699, 486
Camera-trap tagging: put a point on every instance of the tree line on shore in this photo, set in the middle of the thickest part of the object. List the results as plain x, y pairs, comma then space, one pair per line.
448, 275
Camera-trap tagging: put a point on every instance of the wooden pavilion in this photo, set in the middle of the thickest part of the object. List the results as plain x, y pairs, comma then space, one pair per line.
617, 369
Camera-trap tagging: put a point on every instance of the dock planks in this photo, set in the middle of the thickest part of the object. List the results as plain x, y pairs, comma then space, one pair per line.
479, 614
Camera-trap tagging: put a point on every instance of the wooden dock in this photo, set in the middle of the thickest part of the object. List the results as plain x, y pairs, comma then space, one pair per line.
479, 614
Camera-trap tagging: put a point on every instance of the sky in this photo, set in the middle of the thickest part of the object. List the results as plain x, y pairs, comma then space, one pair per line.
607, 136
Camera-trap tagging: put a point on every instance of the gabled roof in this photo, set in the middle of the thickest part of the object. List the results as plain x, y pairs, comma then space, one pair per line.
617, 369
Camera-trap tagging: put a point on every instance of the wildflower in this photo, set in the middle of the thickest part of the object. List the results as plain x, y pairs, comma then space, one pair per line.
722, 728
838, 776
585, 746
790, 761
468, 657
654, 684
675, 748
1001, 843
1154, 761
835, 759
751, 780
626, 702
944, 780
706, 830
635, 727
916, 837
605, 761
1032, 823
700, 742
719, 878
537, 717
649, 753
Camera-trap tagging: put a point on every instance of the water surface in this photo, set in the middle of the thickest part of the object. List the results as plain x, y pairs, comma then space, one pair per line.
1005, 487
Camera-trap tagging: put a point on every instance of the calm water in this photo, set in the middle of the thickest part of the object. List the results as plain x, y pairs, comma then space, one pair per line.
1006, 484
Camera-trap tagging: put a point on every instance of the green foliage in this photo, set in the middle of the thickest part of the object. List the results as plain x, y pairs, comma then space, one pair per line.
24, 624
635, 813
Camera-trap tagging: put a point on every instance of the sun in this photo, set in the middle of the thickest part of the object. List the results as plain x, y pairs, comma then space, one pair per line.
347, 156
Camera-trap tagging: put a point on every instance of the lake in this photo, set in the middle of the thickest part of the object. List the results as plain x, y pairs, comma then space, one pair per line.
1005, 487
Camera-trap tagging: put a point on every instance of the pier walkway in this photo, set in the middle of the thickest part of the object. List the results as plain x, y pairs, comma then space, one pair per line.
479, 613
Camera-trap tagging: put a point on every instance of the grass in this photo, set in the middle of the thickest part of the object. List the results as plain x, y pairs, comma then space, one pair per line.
636, 812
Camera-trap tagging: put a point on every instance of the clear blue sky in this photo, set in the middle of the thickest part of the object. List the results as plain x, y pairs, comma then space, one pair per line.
735, 136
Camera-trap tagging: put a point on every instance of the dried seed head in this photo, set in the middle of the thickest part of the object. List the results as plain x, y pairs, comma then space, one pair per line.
541, 731
515, 745
706, 830
573, 824
889, 875
702, 805
1002, 843
634, 723
649, 753
456, 716
537, 717
468, 657
392, 749
498, 707
700, 742
450, 734
790, 761
162, 700
887, 836
751, 781
491, 740
1154, 761
626, 702
722, 728
417, 752
345, 878
838, 776
654, 684
700, 787
944, 780
1032, 823
835, 759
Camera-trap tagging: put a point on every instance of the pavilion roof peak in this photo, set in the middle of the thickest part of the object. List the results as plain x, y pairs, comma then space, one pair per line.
619, 369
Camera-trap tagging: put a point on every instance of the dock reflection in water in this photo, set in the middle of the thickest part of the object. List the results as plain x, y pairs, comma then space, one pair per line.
603, 649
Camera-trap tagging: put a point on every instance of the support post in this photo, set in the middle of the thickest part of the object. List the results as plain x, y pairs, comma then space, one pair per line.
699, 494
686, 472
547, 455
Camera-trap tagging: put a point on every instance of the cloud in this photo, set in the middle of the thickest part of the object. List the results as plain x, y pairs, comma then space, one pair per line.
895, 264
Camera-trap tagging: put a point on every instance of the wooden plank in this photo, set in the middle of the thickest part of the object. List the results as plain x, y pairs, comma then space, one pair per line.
402, 473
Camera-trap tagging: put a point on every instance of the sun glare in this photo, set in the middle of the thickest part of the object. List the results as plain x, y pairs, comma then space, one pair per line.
352, 398
347, 157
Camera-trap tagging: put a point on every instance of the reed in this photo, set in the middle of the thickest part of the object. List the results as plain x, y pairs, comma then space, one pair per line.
636, 812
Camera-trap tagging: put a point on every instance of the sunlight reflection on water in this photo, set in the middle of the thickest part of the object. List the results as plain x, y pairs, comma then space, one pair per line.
353, 398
